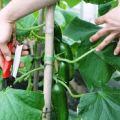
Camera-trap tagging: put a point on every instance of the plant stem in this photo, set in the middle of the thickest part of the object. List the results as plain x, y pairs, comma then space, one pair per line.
31, 28
68, 89
20, 78
77, 59
39, 37
29, 86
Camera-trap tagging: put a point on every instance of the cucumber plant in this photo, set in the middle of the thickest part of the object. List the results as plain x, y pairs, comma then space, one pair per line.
72, 51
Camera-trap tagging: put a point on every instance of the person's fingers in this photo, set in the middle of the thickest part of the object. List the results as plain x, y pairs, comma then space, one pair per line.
1, 60
24, 53
100, 20
21, 65
25, 48
99, 34
5, 51
14, 42
106, 41
117, 49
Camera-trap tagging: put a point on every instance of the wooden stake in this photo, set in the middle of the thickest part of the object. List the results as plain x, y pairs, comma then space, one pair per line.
118, 2
49, 50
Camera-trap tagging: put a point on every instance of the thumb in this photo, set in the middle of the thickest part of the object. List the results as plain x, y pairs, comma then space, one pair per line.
5, 51
100, 20
1, 60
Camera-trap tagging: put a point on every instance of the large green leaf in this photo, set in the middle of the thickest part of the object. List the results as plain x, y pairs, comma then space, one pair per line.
59, 18
108, 56
101, 105
26, 22
20, 105
82, 30
93, 68
72, 3
5, 2
97, 1
64, 17
95, 71
104, 8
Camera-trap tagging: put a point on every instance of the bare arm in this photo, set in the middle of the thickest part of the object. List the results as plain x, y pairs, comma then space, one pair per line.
19, 8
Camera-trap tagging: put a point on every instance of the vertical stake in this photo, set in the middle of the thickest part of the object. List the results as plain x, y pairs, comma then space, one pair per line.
118, 2
48, 70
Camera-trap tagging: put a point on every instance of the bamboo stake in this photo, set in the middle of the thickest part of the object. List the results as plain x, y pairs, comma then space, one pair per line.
49, 49
118, 2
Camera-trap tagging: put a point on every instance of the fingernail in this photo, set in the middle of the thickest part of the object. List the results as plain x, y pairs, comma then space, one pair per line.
8, 58
115, 53
91, 40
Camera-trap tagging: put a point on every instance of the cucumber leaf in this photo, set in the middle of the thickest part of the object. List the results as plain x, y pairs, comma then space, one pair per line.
95, 69
101, 105
72, 3
104, 8
97, 1
20, 105
82, 30
64, 17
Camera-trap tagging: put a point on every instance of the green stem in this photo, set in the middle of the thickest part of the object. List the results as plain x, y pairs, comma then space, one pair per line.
26, 78
68, 89
39, 37
20, 78
77, 59
36, 18
31, 28
29, 86
21, 72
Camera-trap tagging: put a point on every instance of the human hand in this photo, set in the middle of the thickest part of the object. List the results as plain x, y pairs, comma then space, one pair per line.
6, 31
111, 29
